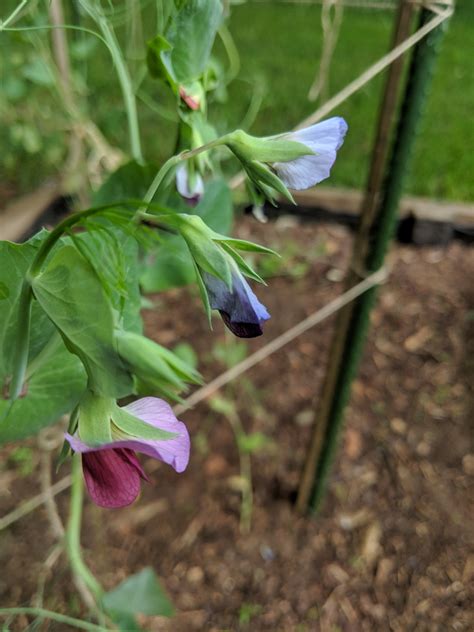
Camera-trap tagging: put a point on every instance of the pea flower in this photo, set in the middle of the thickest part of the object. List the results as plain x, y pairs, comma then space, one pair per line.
239, 308
111, 469
295, 160
189, 185
323, 139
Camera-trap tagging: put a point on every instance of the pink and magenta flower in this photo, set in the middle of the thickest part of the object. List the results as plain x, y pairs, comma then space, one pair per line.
112, 471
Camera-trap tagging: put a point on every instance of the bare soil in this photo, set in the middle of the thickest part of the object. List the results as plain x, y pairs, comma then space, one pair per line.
392, 548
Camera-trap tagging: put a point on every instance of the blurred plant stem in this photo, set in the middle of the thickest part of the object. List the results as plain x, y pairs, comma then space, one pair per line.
73, 532
73, 540
41, 613
5, 23
95, 12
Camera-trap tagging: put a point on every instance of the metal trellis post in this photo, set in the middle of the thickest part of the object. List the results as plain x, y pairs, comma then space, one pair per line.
369, 254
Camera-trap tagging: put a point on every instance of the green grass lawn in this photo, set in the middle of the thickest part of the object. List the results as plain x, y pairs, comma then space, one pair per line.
280, 46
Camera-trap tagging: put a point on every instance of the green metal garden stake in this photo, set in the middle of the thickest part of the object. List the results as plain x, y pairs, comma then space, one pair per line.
380, 234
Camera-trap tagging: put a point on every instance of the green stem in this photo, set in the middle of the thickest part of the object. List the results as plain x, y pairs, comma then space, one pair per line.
124, 79
172, 162
231, 51
12, 16
58, 232
73, 532
20, 358
54, 616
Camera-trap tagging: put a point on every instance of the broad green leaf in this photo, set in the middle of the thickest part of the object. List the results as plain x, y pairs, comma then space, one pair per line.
55, 378
191, 36
113, 254
139, 594
71, 294
158, 60
53, 390
169, 266
129, 181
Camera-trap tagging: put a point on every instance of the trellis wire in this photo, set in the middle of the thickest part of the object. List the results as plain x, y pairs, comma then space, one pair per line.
369, 282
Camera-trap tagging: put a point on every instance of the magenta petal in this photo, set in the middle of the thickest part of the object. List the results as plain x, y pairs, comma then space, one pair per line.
112, 476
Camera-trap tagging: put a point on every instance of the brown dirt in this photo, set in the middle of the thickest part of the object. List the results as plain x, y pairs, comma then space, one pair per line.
393, 546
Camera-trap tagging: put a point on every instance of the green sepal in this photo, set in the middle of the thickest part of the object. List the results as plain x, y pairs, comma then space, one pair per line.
147, 386
66, 448
267, 150
182, 368
242, 264
130, 425
260, 173
94, 416
199, 239
243, 244
147, 359
204, 295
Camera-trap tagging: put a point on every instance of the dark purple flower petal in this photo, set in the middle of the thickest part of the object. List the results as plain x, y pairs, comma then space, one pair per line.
240, 309
112, 476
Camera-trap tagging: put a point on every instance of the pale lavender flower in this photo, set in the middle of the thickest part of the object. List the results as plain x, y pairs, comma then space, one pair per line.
189, 186
324, 139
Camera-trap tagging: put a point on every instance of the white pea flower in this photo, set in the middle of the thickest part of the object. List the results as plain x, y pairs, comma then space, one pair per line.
324, 139
189, 185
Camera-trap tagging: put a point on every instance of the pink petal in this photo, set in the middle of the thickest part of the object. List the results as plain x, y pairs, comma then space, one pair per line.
112, 476
158, 413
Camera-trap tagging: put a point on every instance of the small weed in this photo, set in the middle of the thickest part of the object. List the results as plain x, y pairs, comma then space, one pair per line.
248, 611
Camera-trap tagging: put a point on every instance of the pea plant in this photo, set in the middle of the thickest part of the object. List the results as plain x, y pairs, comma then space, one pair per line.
71, 333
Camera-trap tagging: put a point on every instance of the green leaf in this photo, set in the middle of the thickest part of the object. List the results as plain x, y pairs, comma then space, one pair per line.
192, 35
169, 266
253, 442
53, 390
129, 181
113, 254
55, 378
71, 294
38, 72
158, 60
139, 594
